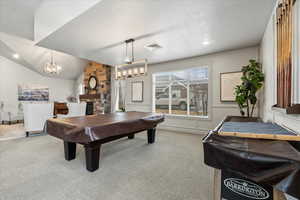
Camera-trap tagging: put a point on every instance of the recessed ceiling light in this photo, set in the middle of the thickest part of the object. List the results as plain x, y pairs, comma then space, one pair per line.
16, 56
153, 47
205, 43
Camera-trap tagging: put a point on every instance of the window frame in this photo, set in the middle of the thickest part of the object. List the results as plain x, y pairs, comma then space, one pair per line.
209, 82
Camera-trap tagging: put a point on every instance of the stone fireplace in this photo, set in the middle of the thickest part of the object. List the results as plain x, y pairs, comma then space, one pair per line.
100, 96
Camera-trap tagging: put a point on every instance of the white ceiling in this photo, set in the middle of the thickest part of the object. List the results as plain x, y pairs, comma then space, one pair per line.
17, 17
35, 57
183, 28
7, 52
96, 29
24, 22
52, 14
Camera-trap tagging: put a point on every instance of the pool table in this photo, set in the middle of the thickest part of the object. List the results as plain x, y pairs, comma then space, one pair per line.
94, 130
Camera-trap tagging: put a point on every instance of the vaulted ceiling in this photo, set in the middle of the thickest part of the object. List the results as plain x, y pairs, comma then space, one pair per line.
35, 57
25, 22
96, 30
183, 28
17, 17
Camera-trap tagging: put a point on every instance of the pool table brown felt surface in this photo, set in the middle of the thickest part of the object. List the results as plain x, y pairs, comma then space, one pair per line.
94, 130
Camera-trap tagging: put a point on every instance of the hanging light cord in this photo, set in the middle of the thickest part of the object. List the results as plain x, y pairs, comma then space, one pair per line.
132, 51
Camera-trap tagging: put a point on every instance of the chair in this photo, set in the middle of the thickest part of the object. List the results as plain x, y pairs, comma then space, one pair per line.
11, 116
19, 115
75, 110
35, 116
5, 117
2, 113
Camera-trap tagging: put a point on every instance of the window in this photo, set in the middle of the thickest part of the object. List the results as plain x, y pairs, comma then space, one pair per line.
181, 92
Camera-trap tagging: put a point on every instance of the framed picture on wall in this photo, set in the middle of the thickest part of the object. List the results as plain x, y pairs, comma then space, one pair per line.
137, 91
33, 93
228, 82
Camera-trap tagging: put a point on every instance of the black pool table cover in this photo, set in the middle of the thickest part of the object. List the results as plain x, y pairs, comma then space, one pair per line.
272, 162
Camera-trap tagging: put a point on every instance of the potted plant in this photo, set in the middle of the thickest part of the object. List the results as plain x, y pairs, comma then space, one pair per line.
252, 82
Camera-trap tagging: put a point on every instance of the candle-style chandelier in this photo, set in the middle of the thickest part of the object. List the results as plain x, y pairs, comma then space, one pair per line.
51, 67
131, 68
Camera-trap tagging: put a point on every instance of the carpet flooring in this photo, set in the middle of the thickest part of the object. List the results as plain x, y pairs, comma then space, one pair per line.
171, 169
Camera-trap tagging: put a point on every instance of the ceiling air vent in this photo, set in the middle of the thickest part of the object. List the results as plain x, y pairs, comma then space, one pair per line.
153, 47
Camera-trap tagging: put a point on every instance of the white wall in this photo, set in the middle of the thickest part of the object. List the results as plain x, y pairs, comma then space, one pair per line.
268, 59
220, 62
13, 74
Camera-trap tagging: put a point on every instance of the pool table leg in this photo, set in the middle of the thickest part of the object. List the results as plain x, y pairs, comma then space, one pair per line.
92, 156
70, 150
131, 136
151, 135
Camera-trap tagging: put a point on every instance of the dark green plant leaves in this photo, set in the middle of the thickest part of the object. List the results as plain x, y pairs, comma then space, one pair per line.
252, 81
